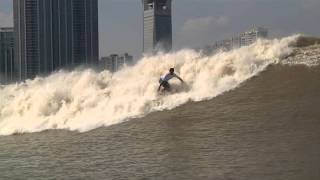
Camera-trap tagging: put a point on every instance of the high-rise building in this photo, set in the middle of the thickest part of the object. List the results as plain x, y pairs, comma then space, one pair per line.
157, 25
53, 34
115, 62
6, 55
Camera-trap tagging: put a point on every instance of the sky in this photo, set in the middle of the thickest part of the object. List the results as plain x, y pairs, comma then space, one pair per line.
197, 23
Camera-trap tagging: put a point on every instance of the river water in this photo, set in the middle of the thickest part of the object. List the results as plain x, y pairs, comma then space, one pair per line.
268, 128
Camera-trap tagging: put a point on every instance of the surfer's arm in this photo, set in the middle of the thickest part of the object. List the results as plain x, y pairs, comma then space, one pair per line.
179, 78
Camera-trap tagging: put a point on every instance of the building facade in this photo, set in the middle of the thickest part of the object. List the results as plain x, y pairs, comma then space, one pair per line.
54, 34
6, 55
249, 37
244, 39
115, 62
157, 25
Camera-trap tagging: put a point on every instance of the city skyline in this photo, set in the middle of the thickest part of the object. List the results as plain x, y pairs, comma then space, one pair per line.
6, 55
197, 22
54, 34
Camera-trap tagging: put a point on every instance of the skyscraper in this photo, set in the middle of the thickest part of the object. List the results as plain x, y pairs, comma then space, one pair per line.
6, 55
53, 34
157, 25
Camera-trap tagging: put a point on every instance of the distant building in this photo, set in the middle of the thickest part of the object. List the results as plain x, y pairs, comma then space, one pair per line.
244, 39
235, 42
252, 36
157, 25
115, 62
223, 45
6, 55
53, 34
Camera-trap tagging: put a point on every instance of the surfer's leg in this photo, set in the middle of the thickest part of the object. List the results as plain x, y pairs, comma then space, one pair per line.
167, 86
162, 84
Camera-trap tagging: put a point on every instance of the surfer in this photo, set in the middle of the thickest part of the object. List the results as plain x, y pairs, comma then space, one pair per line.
164, 80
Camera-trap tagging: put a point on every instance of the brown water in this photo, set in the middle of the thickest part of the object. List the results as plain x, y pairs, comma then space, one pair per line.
269, 128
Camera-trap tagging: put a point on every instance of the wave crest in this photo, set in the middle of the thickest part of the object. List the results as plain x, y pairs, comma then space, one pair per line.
84, 100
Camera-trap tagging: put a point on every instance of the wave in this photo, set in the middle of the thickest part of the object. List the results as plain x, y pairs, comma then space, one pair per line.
83, 100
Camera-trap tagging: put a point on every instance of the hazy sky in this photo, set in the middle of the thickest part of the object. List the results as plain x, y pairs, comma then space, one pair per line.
197, 22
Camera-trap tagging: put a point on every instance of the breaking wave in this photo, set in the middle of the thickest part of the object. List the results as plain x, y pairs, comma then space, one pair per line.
84, 100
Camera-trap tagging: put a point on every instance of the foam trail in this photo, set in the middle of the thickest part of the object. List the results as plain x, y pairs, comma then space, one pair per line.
84, 100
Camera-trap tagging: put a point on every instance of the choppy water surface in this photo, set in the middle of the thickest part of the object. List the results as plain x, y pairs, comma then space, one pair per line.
268, 128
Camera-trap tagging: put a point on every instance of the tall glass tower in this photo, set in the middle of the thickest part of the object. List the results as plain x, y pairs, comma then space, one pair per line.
53, 34
6, 55
157, 25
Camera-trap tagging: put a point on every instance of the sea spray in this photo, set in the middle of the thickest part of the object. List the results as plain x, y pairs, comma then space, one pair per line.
84, 100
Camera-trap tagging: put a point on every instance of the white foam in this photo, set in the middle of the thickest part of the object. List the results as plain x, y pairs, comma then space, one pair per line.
308, 56
84, 100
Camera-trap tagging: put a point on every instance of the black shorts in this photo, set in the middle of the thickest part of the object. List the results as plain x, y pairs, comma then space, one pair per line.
165, 84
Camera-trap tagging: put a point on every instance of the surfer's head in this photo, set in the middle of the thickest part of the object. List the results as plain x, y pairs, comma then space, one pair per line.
171, 70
